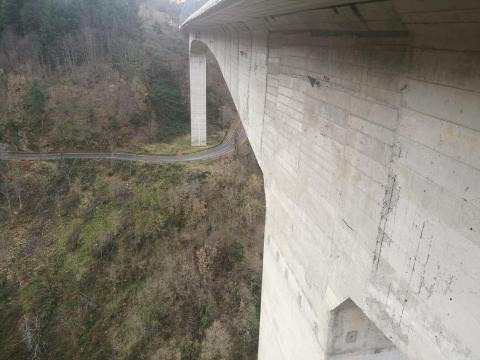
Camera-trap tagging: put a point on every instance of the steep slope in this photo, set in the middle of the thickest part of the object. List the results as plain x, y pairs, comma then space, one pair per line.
97, 75
119, 260
112, 260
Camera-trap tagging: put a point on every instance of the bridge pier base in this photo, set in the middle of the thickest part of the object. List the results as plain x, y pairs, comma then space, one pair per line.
198, 98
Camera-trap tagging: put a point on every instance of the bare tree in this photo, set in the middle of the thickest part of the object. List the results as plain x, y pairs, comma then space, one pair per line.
31, 330
67, 170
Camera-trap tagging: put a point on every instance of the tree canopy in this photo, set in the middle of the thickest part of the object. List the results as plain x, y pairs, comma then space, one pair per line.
50, 19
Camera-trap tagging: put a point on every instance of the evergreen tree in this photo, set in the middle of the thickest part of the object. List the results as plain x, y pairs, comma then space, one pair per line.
11, 14
34, 104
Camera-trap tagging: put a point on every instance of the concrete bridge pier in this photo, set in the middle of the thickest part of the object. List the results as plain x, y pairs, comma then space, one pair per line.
364, 116
198, 94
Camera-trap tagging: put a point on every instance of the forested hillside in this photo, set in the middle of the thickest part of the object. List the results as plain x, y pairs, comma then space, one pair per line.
119, 260
102, 260
94, 74
67, 33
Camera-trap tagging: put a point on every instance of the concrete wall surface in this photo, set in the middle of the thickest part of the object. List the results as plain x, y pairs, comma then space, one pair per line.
365, 119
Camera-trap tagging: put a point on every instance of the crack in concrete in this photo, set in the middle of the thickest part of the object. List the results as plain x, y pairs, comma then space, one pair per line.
386, 210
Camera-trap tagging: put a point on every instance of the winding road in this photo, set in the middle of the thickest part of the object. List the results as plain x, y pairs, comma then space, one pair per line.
227, 147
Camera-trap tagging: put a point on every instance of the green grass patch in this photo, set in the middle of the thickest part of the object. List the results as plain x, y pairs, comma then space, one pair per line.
103, 223
182, 144
27, 293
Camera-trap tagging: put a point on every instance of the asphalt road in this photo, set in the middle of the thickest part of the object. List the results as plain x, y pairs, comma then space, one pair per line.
237, 137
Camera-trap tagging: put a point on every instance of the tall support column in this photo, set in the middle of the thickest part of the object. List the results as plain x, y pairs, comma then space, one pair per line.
198, 98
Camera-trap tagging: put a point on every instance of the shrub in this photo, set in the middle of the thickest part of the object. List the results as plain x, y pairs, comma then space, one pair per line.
217, 344
103, 248
34, 104
138, 120
74, 238
71, 202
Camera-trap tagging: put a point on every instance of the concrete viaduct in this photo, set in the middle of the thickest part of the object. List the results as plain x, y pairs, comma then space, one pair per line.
365, 119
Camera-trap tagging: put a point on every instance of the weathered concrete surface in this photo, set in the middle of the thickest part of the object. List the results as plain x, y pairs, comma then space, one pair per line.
365, 119
353, 336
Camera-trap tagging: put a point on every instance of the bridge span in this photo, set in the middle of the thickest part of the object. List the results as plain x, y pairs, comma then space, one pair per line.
364, 116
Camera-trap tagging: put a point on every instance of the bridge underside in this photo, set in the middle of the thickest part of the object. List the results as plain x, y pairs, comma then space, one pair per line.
365, 119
